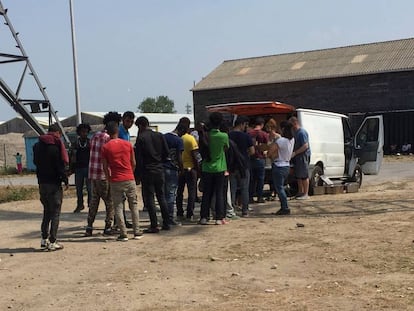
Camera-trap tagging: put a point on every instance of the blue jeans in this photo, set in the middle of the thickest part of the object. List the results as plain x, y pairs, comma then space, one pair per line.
257, 176
279, 175
170, 189
81, 178
240, 183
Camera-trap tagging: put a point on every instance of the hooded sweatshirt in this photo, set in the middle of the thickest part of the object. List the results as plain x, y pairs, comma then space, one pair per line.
50, 159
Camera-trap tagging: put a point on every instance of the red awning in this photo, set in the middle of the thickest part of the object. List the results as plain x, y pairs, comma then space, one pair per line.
252, 108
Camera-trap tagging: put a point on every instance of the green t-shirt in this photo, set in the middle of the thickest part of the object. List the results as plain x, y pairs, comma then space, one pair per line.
218, 141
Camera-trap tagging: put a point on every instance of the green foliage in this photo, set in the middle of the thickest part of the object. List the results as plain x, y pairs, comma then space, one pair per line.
8, 170
160, 104
14, 193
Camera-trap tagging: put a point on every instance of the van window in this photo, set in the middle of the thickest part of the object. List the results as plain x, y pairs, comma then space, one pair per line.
369, 132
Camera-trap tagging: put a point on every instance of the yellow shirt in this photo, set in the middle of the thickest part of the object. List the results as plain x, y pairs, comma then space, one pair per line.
190, 144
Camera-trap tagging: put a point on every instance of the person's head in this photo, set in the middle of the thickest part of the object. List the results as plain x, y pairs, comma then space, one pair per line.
295, 122
215, 118
128, 119
142, 123
271, 125
54, 129
112, 129
259, 122
185, 121
18, 153
83, 130
112, 116
286, 128
181, 129
241, 123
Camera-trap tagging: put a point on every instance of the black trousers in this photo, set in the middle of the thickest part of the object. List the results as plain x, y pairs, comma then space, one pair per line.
153, 183
51, 196
213, 185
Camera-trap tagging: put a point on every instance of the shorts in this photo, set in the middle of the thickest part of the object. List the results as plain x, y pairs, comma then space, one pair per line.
301, 163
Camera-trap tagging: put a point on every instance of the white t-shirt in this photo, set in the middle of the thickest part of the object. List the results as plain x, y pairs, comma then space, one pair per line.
285, 151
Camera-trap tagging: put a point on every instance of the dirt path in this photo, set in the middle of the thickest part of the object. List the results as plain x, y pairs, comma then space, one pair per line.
354, 252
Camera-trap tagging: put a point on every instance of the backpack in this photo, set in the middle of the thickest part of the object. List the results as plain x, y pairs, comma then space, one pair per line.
203, 145
235, 160
173, 158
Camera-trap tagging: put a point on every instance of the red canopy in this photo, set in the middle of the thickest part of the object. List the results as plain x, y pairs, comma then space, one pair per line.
252, 108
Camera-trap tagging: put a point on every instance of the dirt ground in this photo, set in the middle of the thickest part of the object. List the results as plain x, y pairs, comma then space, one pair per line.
353, 252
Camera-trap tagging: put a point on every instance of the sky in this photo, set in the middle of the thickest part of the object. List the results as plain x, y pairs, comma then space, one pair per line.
128, 50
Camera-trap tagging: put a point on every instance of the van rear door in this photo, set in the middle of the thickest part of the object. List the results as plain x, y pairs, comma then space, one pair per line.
369, 143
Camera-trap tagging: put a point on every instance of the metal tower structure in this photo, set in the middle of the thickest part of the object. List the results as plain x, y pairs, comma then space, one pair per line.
12, 96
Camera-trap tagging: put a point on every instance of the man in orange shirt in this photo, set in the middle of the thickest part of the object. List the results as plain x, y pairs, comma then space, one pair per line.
119, 164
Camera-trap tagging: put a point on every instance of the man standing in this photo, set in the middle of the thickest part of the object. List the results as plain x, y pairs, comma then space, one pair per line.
213, 145
151, 152
99, 183
50, 158
257, 161
119, 165
79, 164
173, 167
240, 179
127, 120
188, 176
301, 157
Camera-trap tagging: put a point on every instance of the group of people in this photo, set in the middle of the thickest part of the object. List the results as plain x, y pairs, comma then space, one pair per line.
226, 165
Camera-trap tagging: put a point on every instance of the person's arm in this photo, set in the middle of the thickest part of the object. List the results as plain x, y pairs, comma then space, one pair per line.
132, 158
106, 169
300, 150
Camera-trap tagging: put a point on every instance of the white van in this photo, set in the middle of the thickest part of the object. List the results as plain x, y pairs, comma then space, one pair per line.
336, 153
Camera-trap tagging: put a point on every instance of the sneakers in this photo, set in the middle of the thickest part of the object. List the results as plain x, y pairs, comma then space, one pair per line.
152, 230
203, 221
302, 197
174, 223
232, 216
260, 200
284, 211
108, 231
166, 227
88, 232
221, 221
78, 209
245, 215
55, 246
44, 243
122, 238
138, 235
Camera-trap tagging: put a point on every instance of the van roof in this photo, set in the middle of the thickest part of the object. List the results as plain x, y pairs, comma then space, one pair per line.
252, 108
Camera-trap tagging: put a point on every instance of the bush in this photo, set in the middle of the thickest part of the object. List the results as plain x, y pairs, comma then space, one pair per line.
18, 193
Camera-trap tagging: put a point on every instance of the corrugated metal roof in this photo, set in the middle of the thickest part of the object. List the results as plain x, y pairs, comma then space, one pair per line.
380, 57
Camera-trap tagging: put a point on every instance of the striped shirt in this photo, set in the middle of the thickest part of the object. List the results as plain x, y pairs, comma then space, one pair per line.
96, 171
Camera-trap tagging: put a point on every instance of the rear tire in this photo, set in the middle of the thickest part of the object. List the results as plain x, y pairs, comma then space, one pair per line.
357, 175
315, 179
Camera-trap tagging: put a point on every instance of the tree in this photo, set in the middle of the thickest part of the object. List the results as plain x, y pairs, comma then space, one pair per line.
160, 104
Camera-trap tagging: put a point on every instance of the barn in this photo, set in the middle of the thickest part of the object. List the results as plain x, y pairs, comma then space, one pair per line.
374, 78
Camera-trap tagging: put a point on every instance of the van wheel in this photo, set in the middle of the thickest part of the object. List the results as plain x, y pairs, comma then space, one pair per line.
315, 179
357, 175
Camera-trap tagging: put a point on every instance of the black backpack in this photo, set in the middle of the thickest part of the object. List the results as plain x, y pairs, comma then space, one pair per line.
235, 160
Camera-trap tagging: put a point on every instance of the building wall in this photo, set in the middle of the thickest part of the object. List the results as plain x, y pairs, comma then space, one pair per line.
368, 93
365, 94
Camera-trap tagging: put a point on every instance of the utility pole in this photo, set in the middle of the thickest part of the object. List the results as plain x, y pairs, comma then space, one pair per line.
188, 108
75, 65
